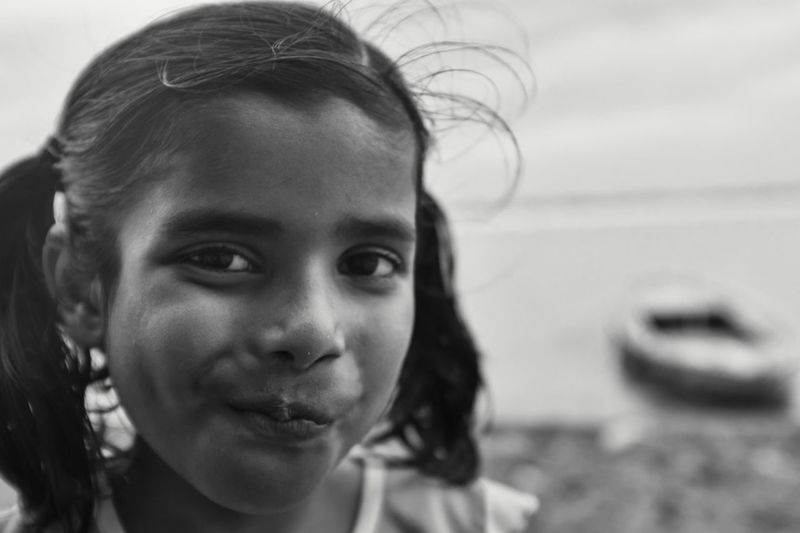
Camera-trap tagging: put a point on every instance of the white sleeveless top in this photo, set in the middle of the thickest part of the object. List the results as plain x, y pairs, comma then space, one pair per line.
402, 500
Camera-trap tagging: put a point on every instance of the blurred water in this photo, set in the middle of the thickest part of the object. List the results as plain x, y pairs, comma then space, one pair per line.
541, 294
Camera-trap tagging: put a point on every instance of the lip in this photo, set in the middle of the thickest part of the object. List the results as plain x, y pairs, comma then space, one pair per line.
278, 419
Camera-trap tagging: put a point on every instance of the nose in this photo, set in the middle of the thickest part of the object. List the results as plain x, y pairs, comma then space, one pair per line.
301, 324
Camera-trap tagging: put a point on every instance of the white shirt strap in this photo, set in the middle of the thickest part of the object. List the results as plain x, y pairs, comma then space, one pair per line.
507, 510
371, 501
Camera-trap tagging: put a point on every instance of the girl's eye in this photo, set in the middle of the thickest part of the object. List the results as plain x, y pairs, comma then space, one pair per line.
220, 259
371, 264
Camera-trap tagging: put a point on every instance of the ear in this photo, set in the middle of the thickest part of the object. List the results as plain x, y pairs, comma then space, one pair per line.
78, 295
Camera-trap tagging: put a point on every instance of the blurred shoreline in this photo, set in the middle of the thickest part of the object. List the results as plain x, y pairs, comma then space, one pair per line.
542, 281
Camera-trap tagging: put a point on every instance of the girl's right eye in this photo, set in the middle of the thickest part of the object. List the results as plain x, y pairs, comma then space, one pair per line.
219, 259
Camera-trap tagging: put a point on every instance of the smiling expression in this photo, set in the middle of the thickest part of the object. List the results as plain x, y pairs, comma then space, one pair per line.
264, 302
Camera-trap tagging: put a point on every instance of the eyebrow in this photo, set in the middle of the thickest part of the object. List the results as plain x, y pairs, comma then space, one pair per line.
386, 226
197, 221
213, 221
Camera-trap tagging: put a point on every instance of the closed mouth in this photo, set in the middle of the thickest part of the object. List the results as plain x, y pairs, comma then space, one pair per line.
282, 411
282, 428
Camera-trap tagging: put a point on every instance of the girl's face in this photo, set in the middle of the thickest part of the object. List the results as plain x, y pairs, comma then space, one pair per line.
264, 303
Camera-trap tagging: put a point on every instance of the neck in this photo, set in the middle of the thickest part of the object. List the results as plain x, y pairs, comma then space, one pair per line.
153, 498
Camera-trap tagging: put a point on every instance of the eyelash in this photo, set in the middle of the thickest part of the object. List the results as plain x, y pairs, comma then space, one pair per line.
200, 259
194, 259
394, 260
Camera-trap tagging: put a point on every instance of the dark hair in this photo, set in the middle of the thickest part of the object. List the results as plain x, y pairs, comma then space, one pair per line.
433, 413
116, 127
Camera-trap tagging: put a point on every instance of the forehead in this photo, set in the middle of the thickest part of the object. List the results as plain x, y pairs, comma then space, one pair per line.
257, 155
263, 121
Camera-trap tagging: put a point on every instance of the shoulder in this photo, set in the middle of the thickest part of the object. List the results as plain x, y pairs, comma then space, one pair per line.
507, 509
11, 520
417, 503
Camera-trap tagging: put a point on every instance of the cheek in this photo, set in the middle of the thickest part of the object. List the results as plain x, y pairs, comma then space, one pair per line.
157, 347
389, 337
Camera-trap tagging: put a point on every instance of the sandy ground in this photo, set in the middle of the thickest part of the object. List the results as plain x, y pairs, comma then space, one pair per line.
656, 475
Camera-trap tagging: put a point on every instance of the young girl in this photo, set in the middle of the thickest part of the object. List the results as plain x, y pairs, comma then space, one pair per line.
243, 231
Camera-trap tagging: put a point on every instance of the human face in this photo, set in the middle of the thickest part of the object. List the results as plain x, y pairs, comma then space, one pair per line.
264, 302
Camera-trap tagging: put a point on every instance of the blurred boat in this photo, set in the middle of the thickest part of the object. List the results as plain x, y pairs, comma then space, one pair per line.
696, 342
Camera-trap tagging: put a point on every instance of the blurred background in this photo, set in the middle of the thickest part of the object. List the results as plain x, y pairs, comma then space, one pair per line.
661, 140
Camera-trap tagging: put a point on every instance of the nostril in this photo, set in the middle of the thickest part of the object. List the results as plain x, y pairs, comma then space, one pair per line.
303, 357
300, 343
284, 355
328, 357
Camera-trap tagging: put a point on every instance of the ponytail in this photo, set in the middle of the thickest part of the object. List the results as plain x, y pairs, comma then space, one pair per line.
43, 422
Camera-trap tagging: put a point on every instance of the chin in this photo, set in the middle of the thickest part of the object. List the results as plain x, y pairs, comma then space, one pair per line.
264, 486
